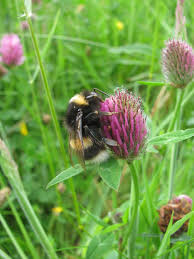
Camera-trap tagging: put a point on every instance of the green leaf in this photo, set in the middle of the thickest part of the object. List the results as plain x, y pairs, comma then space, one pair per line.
151, 83
68, 173
113, 227
171, 137
112, 255
99, 246
171, 230
96, 218
110, 172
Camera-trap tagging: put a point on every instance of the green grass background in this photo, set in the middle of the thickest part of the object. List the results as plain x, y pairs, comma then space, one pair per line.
87, 50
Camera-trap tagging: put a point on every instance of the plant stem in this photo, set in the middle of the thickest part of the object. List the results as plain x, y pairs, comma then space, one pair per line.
175, 124
53, 114
135, 208
179, 100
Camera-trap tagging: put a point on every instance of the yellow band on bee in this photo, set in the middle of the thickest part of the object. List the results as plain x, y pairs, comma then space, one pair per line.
79, 100
76, 143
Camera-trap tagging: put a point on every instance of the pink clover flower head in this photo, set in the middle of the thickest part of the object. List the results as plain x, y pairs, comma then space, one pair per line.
178, 63
11, 50
184, 197
126, 126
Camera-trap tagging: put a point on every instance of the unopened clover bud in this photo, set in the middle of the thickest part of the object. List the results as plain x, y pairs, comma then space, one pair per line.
4, 193
179, 206
178, 63
61, 187
11, 50
46, 118
126, 126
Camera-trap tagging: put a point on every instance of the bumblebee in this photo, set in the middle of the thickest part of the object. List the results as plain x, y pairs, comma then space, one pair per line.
82, 120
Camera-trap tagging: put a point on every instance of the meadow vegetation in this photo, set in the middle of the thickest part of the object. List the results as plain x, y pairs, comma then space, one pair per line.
70, 46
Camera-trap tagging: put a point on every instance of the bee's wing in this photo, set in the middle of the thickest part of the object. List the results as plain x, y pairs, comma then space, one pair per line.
80, 152
93, 136
70, 150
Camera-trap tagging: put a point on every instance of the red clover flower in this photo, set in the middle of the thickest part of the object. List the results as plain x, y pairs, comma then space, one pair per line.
127, 126
11, 50
178, 63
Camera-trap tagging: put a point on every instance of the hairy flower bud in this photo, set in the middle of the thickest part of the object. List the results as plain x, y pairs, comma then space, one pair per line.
180, 206
11, 50
126, 126
178, 63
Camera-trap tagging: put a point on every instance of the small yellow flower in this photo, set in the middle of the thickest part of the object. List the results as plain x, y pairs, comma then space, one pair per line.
119, 25
57, 210
23, 128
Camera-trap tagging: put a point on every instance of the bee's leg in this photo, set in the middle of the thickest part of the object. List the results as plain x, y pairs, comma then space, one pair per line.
110, 142
92, 113
107, 113
91, 134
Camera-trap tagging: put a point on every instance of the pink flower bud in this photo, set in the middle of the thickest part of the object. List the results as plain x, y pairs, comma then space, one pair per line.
11, 50
24, 25
127, 126
178, 63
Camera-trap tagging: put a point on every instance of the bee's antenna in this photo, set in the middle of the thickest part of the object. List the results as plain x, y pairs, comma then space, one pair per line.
100, 91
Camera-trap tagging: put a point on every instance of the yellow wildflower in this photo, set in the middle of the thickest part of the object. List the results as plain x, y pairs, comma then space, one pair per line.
23, 128
119, 25
57, 210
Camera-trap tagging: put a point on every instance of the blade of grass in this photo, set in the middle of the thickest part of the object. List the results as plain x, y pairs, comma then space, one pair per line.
10, 170
47, 45
3, 255
23, 230
53, 112
12, 238
20, 224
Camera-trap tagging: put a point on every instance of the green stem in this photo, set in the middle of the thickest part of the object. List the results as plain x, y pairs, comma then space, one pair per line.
177, 109
12, 238
135, 208
53, 113
175, 124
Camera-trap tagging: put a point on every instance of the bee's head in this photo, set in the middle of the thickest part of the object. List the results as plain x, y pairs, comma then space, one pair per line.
92, 97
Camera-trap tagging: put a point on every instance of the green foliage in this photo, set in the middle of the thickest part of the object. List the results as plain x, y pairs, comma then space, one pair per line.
99, 246
66, 174
80, 47
171, 137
